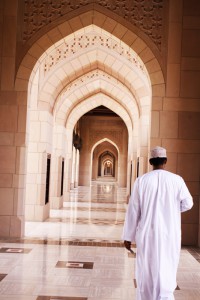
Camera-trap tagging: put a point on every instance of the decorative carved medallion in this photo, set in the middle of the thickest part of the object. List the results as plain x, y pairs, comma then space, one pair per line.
145, 14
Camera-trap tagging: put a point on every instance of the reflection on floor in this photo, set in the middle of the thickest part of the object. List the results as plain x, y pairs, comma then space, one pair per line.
77, 254
92, 214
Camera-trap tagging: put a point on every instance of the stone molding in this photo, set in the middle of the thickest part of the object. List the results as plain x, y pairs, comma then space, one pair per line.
147, 15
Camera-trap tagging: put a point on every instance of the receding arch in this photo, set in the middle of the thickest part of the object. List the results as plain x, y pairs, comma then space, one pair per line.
139, 89
142, 46
32, 59
104, 140
40, 45
117, 155
95, 101
104, 151
95, 82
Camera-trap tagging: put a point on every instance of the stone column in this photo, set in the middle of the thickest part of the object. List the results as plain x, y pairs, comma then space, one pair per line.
85, 168
73, 169
102, 169
56, 200
77, 169
68, 164
39, 147
94, 166
13, 108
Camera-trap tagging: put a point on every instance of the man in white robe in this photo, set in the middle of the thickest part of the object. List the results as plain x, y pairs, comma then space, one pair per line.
153, 223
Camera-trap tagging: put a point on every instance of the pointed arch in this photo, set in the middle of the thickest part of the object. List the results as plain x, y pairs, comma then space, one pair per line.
95, 101
104, 140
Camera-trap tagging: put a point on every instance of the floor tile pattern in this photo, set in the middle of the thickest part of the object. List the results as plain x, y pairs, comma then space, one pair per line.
195, 252
86, 221
14, 250
35, 275
64, 241
2, 276
75, 264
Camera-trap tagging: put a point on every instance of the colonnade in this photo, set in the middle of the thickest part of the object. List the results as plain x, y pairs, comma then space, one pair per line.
75, 168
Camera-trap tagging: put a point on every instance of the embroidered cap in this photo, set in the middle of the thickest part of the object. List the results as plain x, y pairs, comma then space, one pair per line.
158, 152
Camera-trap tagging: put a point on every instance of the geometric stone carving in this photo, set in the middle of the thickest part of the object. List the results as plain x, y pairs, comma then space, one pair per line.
145, 14
113, 135
84, 41
85, 79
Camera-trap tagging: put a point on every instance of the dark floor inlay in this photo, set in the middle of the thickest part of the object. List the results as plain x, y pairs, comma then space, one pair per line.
69, 242
59, 298
2, 276
14, 250
195, 252
74, 264
177, 288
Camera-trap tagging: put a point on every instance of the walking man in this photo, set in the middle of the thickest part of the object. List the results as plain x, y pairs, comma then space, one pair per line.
153, 222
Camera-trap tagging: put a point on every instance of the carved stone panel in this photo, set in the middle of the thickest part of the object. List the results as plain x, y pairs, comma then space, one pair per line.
145, 14
113, 135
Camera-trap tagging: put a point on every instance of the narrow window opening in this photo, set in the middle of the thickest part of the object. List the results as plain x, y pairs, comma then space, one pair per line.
62, 177
138, 165
47, 178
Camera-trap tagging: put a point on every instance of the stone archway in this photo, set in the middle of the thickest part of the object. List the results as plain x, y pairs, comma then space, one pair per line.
116, 151
107, 165
42, 44
104, 151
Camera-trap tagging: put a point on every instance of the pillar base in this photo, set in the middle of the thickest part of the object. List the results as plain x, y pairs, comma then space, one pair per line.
37, 213
71, 186
12, 226
56, 202
66, 196
75, 184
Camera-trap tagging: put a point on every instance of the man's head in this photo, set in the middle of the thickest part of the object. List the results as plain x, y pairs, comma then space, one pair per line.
158, 157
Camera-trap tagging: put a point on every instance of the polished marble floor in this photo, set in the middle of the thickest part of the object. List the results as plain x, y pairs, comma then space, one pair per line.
77, 254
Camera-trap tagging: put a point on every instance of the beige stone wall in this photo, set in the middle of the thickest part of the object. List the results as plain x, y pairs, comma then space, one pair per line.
175, 117
12, 129
188, 158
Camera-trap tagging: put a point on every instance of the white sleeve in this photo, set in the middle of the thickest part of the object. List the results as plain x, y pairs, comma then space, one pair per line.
185, 198
132, 215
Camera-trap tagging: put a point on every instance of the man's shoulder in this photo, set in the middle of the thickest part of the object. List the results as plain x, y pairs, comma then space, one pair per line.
172, 175
163, 173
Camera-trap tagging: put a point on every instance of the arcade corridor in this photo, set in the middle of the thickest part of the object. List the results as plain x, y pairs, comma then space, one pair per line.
87, 88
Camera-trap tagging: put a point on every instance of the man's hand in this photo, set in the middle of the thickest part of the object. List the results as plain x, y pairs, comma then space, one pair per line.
127, 244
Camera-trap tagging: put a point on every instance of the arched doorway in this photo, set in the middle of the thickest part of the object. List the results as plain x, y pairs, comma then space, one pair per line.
106, 165
105, 153
114, 74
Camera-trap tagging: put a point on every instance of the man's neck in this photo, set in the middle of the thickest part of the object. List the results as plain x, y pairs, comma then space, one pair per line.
160, 167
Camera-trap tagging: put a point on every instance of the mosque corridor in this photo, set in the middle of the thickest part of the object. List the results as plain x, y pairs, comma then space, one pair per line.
77, 254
